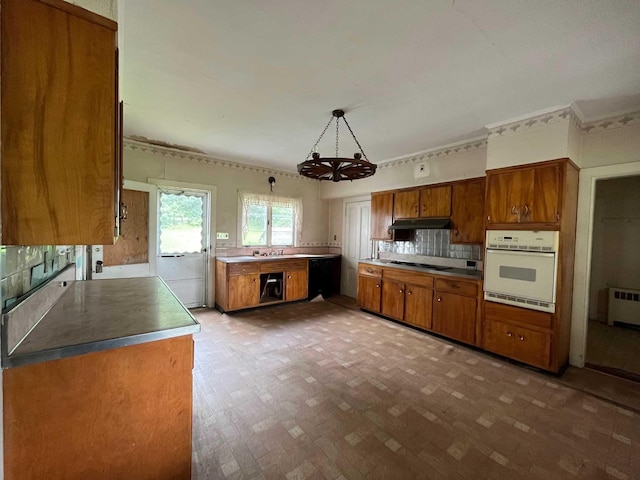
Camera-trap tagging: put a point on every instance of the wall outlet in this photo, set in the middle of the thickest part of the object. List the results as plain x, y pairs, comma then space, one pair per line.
222, 236
421, 170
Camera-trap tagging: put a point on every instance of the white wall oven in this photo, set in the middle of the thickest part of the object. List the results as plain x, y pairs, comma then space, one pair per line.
521, 268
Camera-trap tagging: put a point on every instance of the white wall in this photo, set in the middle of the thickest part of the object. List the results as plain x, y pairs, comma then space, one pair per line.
142, 163
106, 8
446, 164
615, 258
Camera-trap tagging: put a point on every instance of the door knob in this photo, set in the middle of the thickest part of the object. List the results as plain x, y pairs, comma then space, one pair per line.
401, 291
521, 337
409, 292
509, 334
439, 299
377, 285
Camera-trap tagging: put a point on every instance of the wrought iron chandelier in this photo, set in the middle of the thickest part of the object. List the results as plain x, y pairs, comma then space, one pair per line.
336, 168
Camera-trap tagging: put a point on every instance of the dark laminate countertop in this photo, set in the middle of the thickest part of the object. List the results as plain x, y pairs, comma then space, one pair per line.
248, 258
449, 272
103, 314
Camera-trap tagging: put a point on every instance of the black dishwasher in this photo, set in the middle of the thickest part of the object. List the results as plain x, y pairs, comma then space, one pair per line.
324, 277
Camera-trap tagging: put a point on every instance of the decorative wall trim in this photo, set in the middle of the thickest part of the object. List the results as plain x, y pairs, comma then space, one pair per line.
611, 123
537, 121
135, 146
439, 152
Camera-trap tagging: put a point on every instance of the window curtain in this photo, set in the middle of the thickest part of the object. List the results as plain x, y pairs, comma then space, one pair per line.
247, 199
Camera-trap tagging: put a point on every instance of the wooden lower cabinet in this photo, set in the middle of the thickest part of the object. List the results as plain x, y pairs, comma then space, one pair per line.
369, 293
244, 291
393, 299
455, 316
418, 302
296, 285
119, 413
523, 344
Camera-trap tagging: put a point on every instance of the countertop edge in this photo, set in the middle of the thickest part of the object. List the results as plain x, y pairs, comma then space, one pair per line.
444, 273
97, 346
268, 258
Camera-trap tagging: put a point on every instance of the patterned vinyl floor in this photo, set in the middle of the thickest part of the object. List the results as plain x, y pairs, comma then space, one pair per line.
317, 391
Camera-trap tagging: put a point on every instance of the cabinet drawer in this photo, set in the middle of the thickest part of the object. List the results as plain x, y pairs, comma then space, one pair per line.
369, 270
283, 265
518, 343
455, 286
506, 313
243, 268
404, 276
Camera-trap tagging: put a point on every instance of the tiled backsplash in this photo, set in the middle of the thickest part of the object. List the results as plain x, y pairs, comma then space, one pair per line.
433, 243
25, 268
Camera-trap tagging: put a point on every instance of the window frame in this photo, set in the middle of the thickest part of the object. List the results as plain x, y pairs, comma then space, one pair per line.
268, 201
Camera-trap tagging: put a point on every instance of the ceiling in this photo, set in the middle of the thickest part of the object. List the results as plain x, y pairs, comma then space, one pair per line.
255, 81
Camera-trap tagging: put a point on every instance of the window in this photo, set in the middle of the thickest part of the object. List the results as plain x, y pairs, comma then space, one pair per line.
269, 221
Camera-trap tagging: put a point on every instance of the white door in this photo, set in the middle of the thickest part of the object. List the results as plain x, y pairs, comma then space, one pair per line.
357, 243
183, 242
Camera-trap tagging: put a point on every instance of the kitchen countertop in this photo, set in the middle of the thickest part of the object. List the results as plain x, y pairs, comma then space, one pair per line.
249, 258
98, 315
449, 272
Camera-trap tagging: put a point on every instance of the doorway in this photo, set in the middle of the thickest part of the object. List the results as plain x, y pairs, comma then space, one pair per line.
357, 243
183, 242
613, 336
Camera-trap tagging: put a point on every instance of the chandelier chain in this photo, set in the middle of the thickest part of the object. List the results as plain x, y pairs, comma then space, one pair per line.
354, 137
337, 135
313, 149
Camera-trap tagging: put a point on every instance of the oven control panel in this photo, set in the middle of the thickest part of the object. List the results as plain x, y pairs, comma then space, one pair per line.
539, 241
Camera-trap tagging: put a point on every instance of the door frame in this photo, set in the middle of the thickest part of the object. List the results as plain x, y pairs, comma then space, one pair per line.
209, 230
584, 246
345, 202
137, 269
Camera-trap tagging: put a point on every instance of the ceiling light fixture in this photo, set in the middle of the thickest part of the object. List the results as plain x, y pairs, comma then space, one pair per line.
336, 168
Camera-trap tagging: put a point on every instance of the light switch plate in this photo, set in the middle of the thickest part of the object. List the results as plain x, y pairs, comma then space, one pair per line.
222, 236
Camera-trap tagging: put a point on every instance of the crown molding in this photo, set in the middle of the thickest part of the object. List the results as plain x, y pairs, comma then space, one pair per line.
611, 123
452, 149
548, 118
135, 146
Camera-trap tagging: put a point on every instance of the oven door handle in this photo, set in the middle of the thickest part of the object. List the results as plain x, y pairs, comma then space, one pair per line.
520, 252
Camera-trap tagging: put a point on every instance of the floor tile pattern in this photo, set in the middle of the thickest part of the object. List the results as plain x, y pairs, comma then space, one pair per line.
317, 391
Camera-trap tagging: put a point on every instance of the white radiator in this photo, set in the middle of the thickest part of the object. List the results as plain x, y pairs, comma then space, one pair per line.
624, 306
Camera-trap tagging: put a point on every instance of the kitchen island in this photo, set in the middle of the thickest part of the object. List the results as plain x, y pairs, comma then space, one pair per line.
101, 386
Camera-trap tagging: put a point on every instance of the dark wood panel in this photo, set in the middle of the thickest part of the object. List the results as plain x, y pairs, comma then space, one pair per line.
58, 150
417, 306
121, 413
406, 204
381, 216
435, 201
467, 212
393, 299
455, 316
369, 293
133, 245
544, 203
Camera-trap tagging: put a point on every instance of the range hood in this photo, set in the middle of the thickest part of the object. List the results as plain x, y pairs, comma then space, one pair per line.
421, 223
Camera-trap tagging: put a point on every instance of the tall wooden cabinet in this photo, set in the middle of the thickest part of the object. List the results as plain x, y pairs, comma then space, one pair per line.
60, 125
467, 211
541, 196
381, 216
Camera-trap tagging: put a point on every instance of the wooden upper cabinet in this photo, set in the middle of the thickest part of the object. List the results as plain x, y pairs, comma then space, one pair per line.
59, 124
406, 204
381, 216
435, 201
467, 212
524, 195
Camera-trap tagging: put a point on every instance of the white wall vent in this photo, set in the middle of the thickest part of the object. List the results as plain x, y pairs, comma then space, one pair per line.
624, 306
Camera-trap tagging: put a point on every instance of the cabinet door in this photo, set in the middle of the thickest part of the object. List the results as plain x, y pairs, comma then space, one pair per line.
244, 291
467, 212
393, 299
59, 147
418, 302
296, 285
543, 206
381, 216
455, 316
405, 204
505, 194
369, 293
519, 343
435, 201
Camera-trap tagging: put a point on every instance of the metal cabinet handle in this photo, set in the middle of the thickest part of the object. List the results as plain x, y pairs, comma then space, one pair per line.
509, 334
521, 337
409, 292
369, 270
288, 276
401, 291
439, 299
515, 209
527, 211
377, 285
254, 280
488, 218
